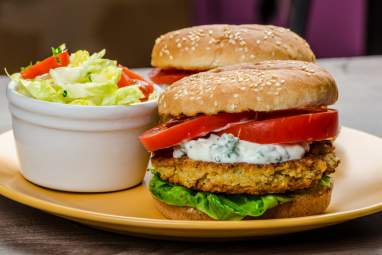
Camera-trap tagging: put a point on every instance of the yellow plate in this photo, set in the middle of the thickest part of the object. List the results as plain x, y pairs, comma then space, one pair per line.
357, 192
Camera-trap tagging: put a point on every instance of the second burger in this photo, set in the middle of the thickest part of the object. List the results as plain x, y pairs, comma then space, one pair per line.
200, 48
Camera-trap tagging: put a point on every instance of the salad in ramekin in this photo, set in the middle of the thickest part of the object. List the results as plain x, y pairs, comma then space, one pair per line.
82, 78
76, 121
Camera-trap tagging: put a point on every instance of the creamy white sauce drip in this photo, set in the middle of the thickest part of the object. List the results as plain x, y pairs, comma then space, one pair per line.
230, 149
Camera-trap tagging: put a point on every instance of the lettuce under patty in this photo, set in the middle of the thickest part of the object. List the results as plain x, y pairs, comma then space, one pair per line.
217, 206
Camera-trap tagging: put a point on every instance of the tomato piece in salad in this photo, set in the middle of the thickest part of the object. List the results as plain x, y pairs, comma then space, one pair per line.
129, 78
43, 67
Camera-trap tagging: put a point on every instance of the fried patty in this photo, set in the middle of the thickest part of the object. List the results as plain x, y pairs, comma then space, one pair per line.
244, 178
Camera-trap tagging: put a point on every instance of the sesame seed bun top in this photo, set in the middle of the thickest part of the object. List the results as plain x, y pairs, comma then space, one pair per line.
265, 86
209, 46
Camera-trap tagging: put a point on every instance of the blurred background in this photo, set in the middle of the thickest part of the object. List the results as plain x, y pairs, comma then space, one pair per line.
128, 28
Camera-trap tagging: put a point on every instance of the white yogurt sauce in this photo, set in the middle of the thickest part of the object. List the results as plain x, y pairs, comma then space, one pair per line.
230, 149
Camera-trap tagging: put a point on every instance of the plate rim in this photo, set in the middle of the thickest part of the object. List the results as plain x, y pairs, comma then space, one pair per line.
87, 215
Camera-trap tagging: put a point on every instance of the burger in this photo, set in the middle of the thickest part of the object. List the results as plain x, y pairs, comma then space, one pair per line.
190, 50
245, 141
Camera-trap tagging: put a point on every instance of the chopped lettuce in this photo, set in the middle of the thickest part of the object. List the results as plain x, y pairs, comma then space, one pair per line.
78, 58
82, 102
43, 89
217, 206
87, 80
124, 96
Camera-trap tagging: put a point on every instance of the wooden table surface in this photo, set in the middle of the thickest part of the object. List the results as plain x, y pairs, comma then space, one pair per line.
24, 230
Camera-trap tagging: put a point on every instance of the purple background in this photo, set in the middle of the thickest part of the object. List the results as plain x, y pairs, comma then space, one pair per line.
334, 28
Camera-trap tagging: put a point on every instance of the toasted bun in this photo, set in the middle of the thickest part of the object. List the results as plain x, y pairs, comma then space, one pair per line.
310, 202
210, 46
265, 86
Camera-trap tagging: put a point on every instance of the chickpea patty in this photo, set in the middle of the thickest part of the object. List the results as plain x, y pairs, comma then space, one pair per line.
243, 178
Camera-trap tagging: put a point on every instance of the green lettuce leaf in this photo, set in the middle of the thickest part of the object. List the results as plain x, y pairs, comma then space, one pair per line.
79, 57
86, 69
217, 206
124, 96
82, 102
43, 89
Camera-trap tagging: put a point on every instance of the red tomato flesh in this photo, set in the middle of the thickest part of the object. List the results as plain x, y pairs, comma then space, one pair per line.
42, 67
173, 133
290, 129
128, 78
168, 76
266, 128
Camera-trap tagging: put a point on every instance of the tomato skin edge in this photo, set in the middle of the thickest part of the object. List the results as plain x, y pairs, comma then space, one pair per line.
321, 126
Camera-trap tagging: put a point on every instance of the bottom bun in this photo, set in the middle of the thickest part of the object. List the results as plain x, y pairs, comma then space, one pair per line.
307, 202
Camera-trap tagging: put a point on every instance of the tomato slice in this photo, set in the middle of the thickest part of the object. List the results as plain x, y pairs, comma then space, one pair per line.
290, 129
266, 128
168, 76
42, 67
173, 133
128, 78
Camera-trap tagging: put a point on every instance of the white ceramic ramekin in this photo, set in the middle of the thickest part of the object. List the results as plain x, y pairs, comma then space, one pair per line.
80, 148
